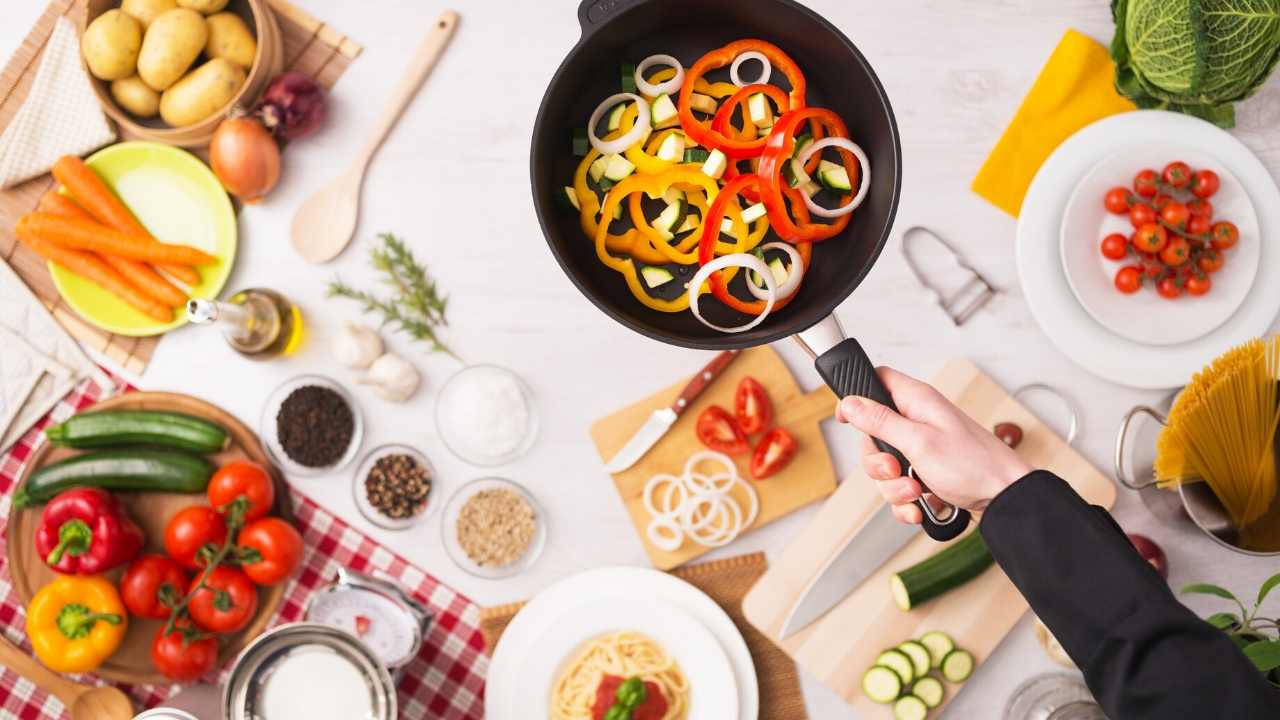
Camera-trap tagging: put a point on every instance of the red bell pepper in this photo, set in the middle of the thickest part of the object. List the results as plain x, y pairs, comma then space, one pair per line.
779, 148
86, 531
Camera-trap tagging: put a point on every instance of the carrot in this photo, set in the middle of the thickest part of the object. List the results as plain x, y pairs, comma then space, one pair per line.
138, 273
95, 270
106, 207
84, 235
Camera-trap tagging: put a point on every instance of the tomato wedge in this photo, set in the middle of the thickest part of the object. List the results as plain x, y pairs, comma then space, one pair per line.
752, 407
719, 431
774, 452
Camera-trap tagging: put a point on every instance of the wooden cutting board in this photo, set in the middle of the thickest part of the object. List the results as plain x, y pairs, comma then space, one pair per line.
808, 478
839, 647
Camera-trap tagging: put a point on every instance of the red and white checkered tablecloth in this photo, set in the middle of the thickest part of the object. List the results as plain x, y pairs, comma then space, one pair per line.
445, 681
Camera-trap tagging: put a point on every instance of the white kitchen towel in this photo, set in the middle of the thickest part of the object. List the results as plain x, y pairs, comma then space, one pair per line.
61, 115
22, 367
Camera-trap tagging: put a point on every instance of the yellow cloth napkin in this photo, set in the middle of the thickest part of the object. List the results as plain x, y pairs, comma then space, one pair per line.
1074, 89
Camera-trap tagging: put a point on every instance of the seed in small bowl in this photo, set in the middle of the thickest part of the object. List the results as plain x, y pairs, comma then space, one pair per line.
496, 527
397, 486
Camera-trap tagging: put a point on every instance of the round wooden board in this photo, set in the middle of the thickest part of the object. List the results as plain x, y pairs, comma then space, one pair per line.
152, 511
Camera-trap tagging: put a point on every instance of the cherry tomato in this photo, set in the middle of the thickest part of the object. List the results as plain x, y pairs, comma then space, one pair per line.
191, 529
225, 603
1150, 238
719, 431
1117, 200
1177, 174
1168, 288
1204, 183
1129, 279
1146, 183
1159, 201
1210, 261
1225, 235
1141, 215
181, 659
1175, 214
241, 478
1115, 246
279, 547
1198, 284
1176, 252
148, 579
1200, 207
772, 453
1198, 225
1154, 269
752, 407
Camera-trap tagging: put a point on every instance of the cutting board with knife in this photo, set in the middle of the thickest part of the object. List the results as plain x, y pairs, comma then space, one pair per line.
808, 478
840, 645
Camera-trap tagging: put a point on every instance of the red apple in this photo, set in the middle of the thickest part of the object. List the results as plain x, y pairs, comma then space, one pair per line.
1152, 553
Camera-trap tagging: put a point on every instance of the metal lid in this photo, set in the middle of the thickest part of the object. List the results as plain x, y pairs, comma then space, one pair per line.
265, 664
163, 713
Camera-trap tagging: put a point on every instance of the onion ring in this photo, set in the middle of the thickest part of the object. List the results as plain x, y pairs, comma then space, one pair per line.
638, 132
665, 87
673, 482
794, 275
670, 542
750, 262
864, 170
725, 534
703, 456
765, 73
700, 484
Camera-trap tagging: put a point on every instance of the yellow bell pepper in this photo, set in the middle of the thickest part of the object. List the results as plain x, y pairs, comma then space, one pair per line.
76, 622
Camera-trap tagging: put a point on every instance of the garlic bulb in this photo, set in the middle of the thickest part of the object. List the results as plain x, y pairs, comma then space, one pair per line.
392, 377
357, 346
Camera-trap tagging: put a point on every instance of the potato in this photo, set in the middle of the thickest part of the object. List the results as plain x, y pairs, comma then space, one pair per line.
110, 45
171, 44
144, 11
203, 92
208, 7
230, 38
136, 96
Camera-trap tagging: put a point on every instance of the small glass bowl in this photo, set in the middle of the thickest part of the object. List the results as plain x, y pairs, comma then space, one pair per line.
371, 513
449, 529
271, 438
453, 442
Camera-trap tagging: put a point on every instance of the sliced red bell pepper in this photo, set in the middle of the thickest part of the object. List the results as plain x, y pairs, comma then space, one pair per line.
779, 149
85, 531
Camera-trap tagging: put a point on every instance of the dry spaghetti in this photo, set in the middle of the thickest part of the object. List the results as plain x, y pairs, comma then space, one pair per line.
620, 655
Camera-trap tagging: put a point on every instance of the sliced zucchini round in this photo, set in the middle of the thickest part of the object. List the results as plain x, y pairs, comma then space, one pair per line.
930, 690
939, 644
957, 666
919, 655
900, 663
881, 684
910, 707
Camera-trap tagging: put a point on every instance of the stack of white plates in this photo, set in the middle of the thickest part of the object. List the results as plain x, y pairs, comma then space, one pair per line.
549, 630
1144, 340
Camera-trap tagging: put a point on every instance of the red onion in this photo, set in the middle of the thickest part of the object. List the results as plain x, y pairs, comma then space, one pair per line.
292, 107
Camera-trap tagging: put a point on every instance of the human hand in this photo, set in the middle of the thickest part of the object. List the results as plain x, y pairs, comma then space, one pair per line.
962, 462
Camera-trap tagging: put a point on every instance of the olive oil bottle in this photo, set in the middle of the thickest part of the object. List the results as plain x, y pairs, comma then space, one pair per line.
258, 323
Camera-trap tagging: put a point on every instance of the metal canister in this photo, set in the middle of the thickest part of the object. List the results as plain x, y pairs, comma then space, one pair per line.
243, 696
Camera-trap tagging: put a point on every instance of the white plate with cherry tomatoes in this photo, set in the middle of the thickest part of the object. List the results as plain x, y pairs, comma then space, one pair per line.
1160, 243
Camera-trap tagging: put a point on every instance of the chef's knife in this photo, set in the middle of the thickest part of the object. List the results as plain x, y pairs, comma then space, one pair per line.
661, 420
874, 543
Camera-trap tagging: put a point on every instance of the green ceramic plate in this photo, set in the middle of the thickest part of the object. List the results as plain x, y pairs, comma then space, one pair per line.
179, 199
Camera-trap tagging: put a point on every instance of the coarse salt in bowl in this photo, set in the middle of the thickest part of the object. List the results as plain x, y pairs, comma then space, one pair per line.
485, 415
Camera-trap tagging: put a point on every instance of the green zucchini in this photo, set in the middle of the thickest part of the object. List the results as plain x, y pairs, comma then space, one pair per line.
111, 428
696, 155
628, 78
957, 666
919, 655
897, 661
939, 644
581, 145
881, 684
119, 469
910, 707
953, 566
930, 690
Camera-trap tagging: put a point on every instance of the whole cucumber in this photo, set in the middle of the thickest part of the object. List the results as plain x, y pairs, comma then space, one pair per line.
122, 469
110, 428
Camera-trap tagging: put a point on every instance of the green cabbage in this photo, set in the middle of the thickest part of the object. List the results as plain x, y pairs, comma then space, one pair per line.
1194, 56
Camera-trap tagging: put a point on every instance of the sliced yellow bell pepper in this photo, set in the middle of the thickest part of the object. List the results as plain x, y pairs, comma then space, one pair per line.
76, 622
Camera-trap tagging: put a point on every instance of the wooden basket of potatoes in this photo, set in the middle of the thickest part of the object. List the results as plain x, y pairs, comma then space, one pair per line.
171, 70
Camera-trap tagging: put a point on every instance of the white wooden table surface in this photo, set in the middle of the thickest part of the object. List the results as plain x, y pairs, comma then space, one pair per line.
453, 179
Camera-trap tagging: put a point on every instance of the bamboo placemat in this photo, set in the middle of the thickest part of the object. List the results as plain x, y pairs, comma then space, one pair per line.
726, 582
310, 46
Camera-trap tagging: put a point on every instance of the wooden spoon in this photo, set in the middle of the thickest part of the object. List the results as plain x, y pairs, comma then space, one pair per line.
324, 224
85, 702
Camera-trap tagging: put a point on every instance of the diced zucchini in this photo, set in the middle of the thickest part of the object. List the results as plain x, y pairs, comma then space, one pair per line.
919, 654
833, 176
606, 183
696, 155
670, 217
881, 684
581, 145
758, 108
617, 211
809, 188
939, 644
763, 130
691, 222
802, 141
702, 103
930, 690
571, 197
628, 77
672, 148
753, 213
618, 168
793, 172
673, 195
779, 273
949, 568
664, 112
596, 170
957, 666
656, 276
715, 164
615, 116
726, 227
910, 707
897, 661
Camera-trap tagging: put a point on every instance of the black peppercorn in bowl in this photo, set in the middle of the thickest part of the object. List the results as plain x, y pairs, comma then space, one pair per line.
311, 426
395, 487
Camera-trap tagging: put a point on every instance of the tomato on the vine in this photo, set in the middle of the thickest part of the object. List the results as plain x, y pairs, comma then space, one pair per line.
1176, 252
1204, 183
225, 603
1199, 207
1175, 214
1146, 183
1117, 200
1198, 225
1141, 214
1150, 238
1115, 246
183, 659
194, 527
143, 586
1168, 288
1129, 279
1177, 174
1210, 261
241, 478
278, 548
1198, 284
1225, 235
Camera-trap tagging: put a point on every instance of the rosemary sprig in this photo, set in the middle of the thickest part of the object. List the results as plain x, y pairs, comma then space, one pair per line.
416, 306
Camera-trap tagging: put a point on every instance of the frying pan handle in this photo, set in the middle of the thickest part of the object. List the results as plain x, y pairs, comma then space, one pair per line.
848, 371
594, 13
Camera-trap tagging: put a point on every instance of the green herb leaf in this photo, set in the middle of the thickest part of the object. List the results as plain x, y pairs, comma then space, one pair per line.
1223, 620
1265, 655
1267, 587
1208, 589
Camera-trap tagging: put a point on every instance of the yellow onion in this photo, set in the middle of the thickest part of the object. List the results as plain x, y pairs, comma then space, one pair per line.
245, 158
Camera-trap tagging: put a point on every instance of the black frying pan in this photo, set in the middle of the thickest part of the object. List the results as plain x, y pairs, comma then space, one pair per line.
839, 78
